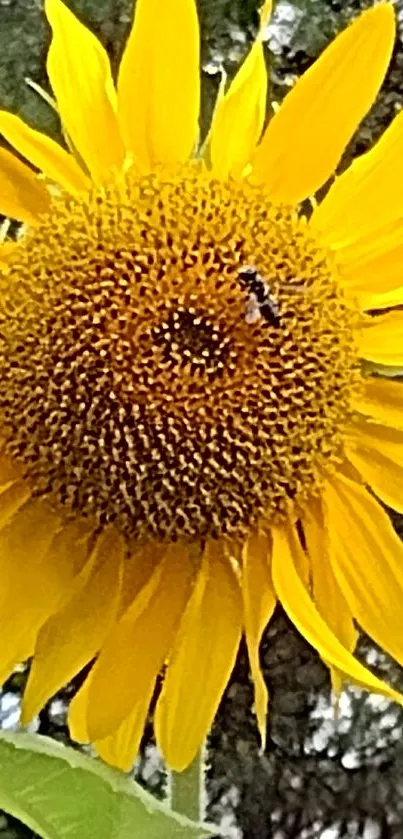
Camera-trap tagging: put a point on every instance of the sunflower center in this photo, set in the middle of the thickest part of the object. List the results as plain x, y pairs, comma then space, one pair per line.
175, 357
187, 336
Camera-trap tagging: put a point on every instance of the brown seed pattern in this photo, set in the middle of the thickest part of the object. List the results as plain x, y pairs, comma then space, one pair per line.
134, 389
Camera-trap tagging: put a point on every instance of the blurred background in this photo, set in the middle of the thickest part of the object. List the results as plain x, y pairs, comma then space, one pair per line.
320, 777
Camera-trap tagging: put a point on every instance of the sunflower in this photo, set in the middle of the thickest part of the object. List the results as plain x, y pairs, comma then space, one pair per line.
189, 429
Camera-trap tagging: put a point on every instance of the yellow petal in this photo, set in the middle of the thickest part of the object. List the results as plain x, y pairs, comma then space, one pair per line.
371, 266
9, 471
159, 83
141, 563
306, 617
306, 138
381, 339
13, 495
201, 661
72, 636
258, 602
80, 75
63, 559
22, 195
301, 560
382, 400
120, 748
368, 195
326, 592
376, 452
25, 598
367, 558
34, 525
48, 156
136, 648
386, 300
239, 115
77, 713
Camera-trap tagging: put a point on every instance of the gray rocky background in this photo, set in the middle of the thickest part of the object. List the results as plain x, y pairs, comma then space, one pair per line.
319, 778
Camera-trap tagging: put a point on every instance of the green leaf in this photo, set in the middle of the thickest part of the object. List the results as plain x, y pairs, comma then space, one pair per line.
59, 792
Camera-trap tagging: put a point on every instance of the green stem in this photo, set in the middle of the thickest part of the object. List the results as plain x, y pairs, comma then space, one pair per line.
187, 789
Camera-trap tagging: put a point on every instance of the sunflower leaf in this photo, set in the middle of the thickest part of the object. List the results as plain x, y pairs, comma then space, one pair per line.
59, 792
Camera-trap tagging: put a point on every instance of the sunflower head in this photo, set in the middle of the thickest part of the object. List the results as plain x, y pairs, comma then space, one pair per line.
188, 430
145, 382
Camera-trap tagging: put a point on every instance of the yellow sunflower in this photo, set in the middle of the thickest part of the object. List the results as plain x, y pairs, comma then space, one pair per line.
188, 429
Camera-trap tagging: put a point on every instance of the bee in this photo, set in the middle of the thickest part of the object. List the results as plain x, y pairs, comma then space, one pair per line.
261, 303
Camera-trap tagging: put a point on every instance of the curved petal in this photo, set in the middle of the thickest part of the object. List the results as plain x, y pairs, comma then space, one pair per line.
259, 602
367, 558
120, 748
72, 636
142, 562
54, 161
159, 83
326, 592
304, 141
80, 75
380, 339
306, 617
22, 195
13, 495
377, 454
372, 266
386, 300
382, 400
201, 660
239, 115
367, 196
135, 650
78, 713
24, 599
34, 525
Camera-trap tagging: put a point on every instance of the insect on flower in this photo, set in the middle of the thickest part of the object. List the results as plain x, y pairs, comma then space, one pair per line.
261, 302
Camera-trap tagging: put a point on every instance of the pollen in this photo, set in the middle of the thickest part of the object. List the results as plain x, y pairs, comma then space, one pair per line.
144, 382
